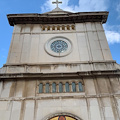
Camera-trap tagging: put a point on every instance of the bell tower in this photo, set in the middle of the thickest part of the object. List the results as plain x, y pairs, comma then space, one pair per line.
59, 67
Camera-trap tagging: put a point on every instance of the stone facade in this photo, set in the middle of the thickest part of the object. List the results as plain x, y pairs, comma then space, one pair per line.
88, 39
89, 62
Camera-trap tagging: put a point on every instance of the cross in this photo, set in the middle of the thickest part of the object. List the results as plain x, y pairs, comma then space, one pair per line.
57, 2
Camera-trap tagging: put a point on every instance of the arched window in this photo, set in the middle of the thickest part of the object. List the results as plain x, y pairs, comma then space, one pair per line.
67, 87
43, 28
47, 87
48, 28
58, 27
73, 27
68, 27
60, 87
40, 88
54, 87
80, 87
53, 27
63, 27
73, 87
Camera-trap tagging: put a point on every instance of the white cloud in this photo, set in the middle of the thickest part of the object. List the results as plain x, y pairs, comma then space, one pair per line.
112, 37
118, 8
84, 5
47, 6
112, 33
91, 5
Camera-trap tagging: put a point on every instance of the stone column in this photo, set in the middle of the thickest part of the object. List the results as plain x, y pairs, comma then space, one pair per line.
46, 29
63, 87
44, 87
50, 28
50, 87
65, 28
60, 28
57, 87
70, 83
71, 28
77, 86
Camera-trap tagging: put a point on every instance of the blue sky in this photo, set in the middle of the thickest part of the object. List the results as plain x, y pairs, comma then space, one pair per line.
112, 27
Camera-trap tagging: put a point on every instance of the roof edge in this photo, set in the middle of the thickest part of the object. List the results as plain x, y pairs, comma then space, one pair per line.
78, 17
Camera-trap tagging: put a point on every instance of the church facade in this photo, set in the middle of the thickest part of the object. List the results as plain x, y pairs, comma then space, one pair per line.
59, 67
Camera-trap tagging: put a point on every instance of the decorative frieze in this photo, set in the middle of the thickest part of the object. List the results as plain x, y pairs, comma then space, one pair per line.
65, 27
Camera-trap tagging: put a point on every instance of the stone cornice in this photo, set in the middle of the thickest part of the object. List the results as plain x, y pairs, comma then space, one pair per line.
70, 75
45, 96
69, 18
59, 63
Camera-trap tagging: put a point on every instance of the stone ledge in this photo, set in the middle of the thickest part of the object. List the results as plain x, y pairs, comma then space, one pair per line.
59, 97
59, 63
87, 66
79, 17
70, 75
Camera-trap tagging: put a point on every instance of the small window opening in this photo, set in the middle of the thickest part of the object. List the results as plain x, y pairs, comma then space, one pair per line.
53, 28
68, 27
67, 87
73, 87
43, 28
48, 28
54, 87
80, 87
73, 27
47, 87
58, 27
60, 87
63, 27
40, 88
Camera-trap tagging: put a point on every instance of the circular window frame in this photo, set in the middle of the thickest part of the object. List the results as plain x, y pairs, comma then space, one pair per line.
55, 54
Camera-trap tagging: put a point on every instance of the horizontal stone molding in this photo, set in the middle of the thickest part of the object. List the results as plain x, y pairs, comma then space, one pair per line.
79, 17
88, 68
69, 75
82, 96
